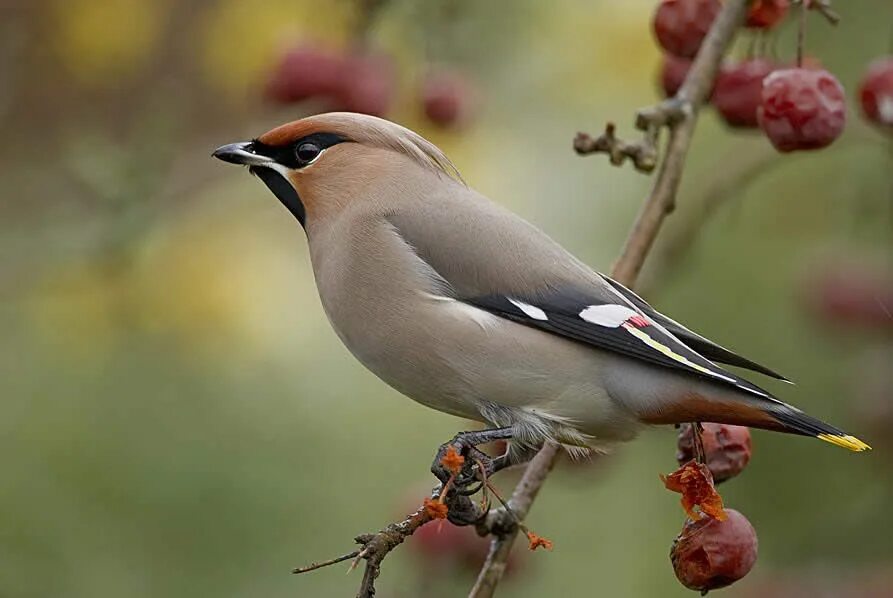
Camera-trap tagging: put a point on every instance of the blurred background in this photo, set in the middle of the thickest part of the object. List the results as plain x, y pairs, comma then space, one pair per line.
177, 417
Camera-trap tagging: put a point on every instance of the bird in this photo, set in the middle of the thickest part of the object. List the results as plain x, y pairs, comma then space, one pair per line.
465, 307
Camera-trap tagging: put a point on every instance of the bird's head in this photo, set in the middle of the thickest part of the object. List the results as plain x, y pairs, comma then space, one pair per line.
317, 165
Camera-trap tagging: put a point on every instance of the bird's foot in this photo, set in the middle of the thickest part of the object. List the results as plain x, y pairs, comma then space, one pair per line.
476, 466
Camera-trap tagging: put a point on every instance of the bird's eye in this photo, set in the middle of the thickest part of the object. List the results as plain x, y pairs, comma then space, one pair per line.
307, 153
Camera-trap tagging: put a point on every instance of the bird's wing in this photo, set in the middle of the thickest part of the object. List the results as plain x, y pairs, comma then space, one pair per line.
702, 345
493, 260
613, 326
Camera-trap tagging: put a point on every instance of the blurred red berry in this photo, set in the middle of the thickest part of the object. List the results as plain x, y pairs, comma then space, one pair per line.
765, 14
447, 98
850, 295
673, 71
440, 542
446, 549
802, 109
681, 25
711, 554
727, 448
304, 71
738, 91
367, 85
876, 92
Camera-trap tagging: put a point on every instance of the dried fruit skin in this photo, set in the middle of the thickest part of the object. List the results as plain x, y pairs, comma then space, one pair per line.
694, 481
727, 448
876, 92
435, 508
535, 541
739, 89
452, 460
681, 25
709, 554
802, 109
765, 14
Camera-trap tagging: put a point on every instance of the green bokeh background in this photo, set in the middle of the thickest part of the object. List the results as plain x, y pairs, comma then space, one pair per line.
177, 418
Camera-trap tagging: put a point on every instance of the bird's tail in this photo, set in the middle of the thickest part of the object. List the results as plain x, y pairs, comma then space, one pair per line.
794, 421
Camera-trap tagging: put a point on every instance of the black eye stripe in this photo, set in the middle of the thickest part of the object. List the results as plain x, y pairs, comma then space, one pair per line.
286, 155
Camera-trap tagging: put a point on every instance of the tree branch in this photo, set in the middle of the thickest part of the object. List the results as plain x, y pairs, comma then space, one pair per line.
504, 527
375, 547
679, 115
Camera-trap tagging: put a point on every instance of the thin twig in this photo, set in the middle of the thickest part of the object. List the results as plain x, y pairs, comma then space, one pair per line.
694, 90
801, 33
320, 565
824, 8
660, 203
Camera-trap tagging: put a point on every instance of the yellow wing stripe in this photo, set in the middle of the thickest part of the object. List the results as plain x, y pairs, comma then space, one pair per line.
847, 442
645, 338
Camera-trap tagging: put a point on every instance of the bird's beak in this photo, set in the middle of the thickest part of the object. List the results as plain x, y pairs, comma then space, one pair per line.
241, 153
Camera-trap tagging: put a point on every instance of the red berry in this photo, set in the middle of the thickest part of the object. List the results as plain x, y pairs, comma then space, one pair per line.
673, 71
367, 85
765, 14
681, 25
711, 554
802, 109
726, 447
739, 89
304, 71
446, 98
876, 92
441, 542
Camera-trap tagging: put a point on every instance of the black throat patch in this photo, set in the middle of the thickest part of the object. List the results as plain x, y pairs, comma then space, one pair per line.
286, 155
283, 190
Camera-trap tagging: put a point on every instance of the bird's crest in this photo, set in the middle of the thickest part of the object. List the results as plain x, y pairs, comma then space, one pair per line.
368, 130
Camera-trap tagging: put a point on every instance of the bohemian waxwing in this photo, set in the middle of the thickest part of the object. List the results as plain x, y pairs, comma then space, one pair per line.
466, 308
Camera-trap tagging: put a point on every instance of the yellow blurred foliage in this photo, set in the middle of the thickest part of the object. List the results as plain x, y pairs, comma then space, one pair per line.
219, 275
100, 41
81, 308
623, 50
240, 38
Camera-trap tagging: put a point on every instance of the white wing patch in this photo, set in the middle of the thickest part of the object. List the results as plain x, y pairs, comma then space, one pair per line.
609, 316
531, 311
616, 316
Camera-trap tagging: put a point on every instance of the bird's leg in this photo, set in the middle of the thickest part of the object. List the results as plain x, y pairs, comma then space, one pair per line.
475, 470
466, 443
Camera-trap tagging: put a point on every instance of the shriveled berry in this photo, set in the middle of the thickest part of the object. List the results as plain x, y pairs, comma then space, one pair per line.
876, 92
738, 91
447, 98
765, 14
305, 71
367, 85
727, 448
802, 109
711, 554
681, 25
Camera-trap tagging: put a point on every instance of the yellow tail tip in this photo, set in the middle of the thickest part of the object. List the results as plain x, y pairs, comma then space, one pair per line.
845, 441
